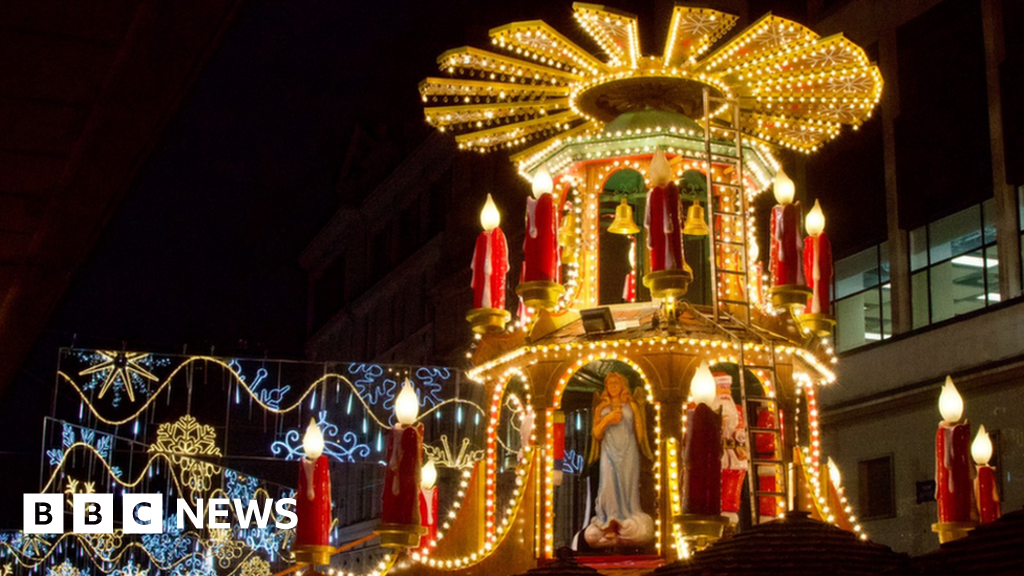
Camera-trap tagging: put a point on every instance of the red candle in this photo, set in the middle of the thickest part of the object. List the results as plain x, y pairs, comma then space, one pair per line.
664, 234
985, 484
953, 484
313, 493
402, 473
490, 260
818, 263
540, 246
785, 257
702, 454
428, 501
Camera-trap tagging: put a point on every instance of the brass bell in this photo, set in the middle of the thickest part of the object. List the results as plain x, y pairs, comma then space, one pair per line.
695, 224
568, 239
623, 223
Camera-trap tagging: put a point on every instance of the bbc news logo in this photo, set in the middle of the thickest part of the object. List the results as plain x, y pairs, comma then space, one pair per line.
144, 513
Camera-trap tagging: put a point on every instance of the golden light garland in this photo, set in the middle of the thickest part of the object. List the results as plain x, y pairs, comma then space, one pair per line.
771, 63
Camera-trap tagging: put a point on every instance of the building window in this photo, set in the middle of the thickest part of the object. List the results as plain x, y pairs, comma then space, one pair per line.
954, 265
875, 488
863, 305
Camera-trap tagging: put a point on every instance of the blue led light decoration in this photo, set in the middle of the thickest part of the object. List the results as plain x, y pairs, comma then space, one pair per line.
120, 373
345, 448
573, 462
272, 397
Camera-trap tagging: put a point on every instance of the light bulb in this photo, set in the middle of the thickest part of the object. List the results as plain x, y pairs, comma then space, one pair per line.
981, 448
755, 252
951, 405
815, 221
407, 405
428, 475
660, 171
542, 183
313, 441
783, 189
702, 387
490, 218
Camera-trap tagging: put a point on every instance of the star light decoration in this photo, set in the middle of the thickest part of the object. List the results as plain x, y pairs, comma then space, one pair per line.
795, 88
121, 367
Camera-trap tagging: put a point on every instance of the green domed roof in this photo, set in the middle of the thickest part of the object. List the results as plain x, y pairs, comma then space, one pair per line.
650, 118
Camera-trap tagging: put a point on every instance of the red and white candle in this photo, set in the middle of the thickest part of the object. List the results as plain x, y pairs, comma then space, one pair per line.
702, 453
540, 248
664, 234
402, 473
313, 493
985, 493
818, 262
428, 501
490, 260
785, 234
953, 484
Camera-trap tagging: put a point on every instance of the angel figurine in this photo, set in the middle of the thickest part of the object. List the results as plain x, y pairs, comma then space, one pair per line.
619, 437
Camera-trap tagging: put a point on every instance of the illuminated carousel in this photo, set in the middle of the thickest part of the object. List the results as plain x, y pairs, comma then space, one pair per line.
665, 381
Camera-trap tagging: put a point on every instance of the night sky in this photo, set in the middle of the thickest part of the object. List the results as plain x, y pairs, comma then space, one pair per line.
203, 251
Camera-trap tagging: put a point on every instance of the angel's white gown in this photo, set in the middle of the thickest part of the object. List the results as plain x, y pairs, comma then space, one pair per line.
618, 491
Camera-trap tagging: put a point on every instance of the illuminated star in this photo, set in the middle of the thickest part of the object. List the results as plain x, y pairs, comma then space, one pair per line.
122, 366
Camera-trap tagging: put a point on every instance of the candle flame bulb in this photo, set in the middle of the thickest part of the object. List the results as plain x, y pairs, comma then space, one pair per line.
702, 387
951, 405
815, 221
313, 441
981, 448
407, 405
428, 475
490, 218
783, 188
754, 253
661, 172
833, 471
542, 183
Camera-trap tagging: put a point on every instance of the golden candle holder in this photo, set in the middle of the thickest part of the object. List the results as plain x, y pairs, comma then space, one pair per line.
949, 531
815, 323
313, 554
701, 530
488, 320
540, 294
790, 296
400, 536
669, 283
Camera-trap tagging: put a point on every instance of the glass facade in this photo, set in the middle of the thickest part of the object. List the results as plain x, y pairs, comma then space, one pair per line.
954, 270
954, 265
862, 302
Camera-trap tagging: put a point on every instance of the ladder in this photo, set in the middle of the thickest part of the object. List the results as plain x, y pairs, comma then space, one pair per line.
769, 463
767, 477
727, 212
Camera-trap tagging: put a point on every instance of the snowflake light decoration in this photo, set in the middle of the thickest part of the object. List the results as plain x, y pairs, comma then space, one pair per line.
788, 80
182, 442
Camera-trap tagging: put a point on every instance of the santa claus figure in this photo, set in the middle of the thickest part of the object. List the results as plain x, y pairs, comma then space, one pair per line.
734, 443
